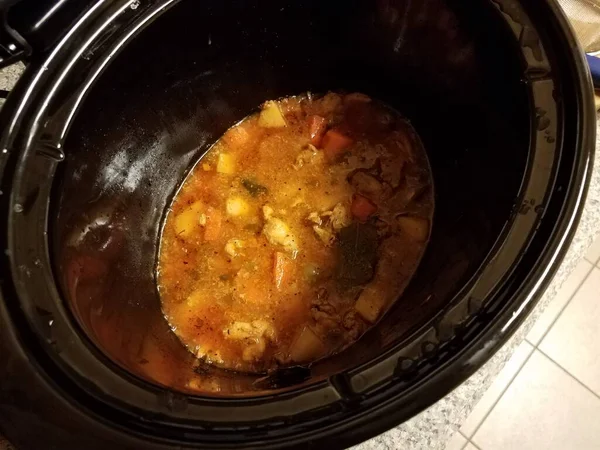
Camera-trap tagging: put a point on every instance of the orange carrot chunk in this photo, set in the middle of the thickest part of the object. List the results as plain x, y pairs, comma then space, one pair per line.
362, 208
212, 229
283, 268
316, 128
334, 143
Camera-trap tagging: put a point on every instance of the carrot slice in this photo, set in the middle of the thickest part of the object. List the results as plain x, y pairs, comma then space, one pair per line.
283, 270
362, 208
334, 143
316, 128
214, 219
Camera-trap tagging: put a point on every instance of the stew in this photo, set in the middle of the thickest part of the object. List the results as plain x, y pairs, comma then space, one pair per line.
295, 232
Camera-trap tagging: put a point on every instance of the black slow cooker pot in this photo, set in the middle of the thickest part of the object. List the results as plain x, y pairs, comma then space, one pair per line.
120, 97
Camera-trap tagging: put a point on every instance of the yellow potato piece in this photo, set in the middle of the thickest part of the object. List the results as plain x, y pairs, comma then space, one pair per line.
370, 303
307, 347
237, 207
415, 227
271, 116
188, 221
226, 163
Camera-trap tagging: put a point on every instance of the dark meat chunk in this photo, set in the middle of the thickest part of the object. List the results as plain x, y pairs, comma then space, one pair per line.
366, 184
325, 315
353, 325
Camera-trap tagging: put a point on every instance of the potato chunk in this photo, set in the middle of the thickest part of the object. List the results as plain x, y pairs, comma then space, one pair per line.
189, 220
370, 303
415, 227
237, 206
226, 163
306, 347
271, 116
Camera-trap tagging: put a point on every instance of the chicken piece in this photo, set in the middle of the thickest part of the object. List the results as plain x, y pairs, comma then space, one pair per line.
309, 156
254, 335
268, 212
233, 246
249, 330
315, 218
340, 217
324, 234
278, 232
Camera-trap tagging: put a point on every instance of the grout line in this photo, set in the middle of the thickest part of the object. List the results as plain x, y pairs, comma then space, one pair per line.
570, 374
465, 444
535, 347
474, 444
462, 434
501, 394
567, 303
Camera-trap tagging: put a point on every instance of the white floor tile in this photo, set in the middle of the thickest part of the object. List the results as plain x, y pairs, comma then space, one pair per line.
557, 304
593, 253
573, 341
456, 442
470, 446
543, 408
494, 392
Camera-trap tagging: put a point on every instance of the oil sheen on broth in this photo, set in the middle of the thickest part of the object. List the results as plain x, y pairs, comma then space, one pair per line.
295, 232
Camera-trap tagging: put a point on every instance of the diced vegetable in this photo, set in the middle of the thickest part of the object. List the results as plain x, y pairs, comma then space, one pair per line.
188, 221
334, 143
316, 128
226, 163
283, 270
370, 303
306, 347
212, 229
271, 116
278, 233
362, 208
206, 167
237, 206
415, 227
236, 137
253, 188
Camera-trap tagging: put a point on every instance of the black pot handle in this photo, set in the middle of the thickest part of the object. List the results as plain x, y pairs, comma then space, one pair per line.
29, 27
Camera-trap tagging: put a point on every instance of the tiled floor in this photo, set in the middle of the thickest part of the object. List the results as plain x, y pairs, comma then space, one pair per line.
548, 394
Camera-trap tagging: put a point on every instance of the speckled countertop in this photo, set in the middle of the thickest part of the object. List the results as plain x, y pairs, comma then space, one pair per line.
433, 427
